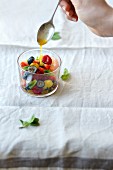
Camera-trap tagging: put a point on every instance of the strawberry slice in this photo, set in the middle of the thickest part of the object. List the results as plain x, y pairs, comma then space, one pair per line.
46, 66
37, 90
46, 59
41, 70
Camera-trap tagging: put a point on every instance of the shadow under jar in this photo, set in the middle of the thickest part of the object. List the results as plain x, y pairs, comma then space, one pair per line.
35, 83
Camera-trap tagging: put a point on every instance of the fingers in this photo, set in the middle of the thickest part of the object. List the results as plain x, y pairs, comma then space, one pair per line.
71, 15
65, 5
69, 10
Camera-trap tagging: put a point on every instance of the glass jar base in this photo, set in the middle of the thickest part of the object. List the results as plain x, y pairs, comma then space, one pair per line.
40, 95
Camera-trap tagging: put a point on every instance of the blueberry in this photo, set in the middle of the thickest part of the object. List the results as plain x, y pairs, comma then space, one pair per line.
26, 74
30, 60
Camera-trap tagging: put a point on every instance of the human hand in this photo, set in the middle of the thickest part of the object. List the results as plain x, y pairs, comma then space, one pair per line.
69, 9
96, 14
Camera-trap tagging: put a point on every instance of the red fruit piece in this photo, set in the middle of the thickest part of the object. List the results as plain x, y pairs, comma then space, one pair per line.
41, 70
23, 64
52, 78
37, 90
47, 59
37, 72
37, 77
46, 66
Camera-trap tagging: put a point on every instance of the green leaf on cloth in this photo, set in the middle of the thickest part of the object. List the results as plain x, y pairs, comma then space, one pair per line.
56, 36
32, 122
65, 75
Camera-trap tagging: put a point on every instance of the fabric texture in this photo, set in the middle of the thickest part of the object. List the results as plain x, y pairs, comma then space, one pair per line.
76, 122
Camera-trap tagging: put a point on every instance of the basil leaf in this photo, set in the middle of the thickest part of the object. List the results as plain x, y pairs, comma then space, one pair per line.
56, 36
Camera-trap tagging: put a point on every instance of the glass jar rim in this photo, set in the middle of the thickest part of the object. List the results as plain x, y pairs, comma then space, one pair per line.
37, 49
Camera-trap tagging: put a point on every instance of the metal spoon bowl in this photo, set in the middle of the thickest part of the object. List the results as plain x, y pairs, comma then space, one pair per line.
46, 31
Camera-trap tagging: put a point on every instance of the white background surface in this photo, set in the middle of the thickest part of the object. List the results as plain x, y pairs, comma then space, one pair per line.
77, 119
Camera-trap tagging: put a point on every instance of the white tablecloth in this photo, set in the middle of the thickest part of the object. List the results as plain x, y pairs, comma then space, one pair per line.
76, 122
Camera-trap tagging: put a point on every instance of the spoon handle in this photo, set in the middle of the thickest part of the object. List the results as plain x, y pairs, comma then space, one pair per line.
51, 20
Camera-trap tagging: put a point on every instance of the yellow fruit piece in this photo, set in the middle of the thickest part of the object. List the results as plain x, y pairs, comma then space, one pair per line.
35, 64
41, 63
41, 56
30, 91
38, 60
48, 84
45, 92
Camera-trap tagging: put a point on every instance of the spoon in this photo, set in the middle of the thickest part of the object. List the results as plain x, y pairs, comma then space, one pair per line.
46, 31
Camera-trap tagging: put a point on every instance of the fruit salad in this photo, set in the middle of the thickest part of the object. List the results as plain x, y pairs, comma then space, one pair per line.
38, 75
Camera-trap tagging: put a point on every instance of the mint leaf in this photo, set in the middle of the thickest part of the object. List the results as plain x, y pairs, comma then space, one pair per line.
47, 71
25, 68
66, 71
32, 122
35, 122
32, 119
56, 36
24, 123
65, 75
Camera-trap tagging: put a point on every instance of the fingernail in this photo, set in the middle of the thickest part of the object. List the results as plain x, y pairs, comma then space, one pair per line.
67, 13
73, 19
64, 8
